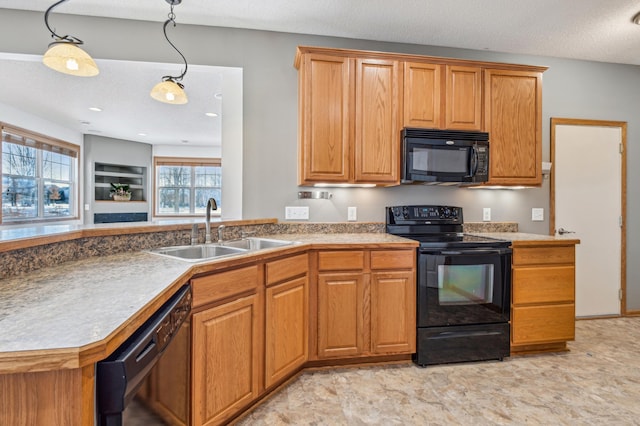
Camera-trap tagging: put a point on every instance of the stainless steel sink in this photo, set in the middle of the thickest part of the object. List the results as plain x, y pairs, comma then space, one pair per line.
254, 243
199, 252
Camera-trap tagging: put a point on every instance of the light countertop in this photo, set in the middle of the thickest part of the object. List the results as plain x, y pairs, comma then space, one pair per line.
79, 305
519, 238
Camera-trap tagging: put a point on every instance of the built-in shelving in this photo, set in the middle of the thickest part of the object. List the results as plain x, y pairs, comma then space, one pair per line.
106, 174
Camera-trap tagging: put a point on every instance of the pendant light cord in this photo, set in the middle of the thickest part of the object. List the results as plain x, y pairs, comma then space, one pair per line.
67, 38
172, 19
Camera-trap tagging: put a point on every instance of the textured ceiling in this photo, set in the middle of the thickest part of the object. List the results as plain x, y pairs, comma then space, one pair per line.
597, 30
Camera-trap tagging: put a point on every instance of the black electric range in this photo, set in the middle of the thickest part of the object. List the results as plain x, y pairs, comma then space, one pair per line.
463, 286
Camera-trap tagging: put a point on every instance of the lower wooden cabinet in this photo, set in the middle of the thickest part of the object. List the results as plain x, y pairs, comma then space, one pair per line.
226, 359
341, 299
369, 308
543, 298
393, 307
251, 327
286, 328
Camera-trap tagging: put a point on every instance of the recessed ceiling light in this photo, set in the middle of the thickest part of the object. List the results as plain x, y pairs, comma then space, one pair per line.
218, 96
96, 109
184, 141
210, 114
142, 134
85, 123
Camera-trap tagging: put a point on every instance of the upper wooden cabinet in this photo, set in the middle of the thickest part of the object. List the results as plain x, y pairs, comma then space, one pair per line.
513, 118
353, 105
325, 119
422, 95
378, 123
463, 98
350, 120
442, 96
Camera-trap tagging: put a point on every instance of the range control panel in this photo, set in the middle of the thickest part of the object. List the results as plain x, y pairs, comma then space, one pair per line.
424, 214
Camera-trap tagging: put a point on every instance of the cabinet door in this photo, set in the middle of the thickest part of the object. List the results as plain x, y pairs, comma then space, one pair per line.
513, 118
325, 133
463, 98
422, 95
393, 312
170, 379
340, 314
377, 121
226, 360
286, 329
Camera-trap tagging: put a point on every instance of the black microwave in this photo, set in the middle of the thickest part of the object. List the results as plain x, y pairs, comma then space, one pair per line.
444, 156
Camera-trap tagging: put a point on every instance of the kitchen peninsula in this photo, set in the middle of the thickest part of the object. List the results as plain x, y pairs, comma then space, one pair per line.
59, 320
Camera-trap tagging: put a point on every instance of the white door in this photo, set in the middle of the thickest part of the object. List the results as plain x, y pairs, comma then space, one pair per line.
587, 168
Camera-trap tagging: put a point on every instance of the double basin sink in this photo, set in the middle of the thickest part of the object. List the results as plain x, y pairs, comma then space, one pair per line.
201, 252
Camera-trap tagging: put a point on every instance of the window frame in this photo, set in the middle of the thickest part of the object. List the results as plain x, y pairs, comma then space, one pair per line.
182, 162
45, 143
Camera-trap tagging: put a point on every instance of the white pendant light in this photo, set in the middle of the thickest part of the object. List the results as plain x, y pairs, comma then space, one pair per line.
170, 90
65, 55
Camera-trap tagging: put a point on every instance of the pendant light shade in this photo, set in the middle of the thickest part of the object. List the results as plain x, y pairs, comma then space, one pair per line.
169, 92
65, 55
68, 58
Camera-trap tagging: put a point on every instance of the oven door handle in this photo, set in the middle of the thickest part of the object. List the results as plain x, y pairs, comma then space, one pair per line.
479, 252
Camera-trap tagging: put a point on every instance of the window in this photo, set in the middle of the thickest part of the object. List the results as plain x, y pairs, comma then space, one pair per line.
39, 177
184, 185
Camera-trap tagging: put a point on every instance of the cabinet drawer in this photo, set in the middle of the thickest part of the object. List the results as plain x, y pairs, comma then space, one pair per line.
223, 284
543, 255
543, 285
543, 324
392, 259
340, 260
280, 270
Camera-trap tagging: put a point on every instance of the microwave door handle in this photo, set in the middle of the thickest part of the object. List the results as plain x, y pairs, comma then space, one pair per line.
473, 162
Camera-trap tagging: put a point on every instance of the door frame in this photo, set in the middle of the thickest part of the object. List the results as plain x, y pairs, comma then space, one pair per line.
623, 188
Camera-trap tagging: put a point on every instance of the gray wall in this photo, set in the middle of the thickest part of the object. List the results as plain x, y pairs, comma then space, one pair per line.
572, 89
99, 149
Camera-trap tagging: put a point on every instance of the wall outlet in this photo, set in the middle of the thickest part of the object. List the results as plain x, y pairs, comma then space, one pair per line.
537, 214
352, 214
486, 214
296, 213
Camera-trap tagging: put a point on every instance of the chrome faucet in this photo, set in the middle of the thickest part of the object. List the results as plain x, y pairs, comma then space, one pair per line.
220, 228
211, 205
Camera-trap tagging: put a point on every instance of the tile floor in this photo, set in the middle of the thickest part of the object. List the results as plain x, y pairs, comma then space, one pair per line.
596, 383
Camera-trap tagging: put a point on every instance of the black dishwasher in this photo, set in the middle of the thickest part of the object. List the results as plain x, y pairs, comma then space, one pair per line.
119, 376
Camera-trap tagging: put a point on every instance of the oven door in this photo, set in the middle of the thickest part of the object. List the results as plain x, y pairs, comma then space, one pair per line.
463, 287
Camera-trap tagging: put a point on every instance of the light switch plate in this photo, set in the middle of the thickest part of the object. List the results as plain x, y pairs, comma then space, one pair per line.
537, 214
296, 212
352, 214
486, 214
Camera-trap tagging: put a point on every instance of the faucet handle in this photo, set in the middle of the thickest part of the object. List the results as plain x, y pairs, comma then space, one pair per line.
194, 234
220, 228
245, 234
